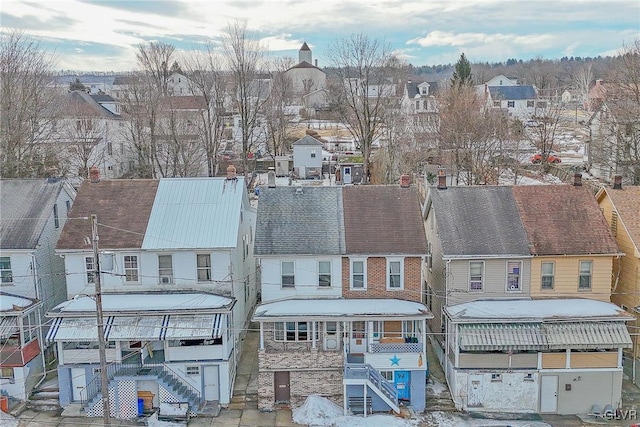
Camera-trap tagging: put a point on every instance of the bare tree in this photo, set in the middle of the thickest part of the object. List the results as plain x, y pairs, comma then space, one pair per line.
209, 81
363, 87
582, 78
156, 59
27, 107
547, 120
276, 119
246, 59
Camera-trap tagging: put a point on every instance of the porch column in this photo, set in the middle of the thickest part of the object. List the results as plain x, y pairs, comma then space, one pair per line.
424, 337
261, 336
567, 364
313, 336
345, 336
364, 404
60, 347
620, 359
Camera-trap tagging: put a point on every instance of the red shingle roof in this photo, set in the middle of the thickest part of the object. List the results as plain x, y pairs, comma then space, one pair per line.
563, 220
383, 219
123, 206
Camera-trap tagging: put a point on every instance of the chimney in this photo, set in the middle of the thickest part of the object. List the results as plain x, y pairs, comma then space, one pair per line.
231, 172
405, 180
271, 178
617, 182
577, 180
316, 63
442, 179
94, 174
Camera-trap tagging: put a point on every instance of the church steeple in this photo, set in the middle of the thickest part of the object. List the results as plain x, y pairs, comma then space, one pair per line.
304, 54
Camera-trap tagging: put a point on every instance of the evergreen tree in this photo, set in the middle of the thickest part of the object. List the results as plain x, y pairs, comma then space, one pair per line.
461, 73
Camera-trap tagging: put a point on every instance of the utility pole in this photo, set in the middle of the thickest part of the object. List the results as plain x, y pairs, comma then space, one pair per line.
106, 407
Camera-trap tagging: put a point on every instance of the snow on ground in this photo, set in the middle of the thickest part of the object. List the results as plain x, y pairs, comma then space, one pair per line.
153, 421
436, 388
7, 420
318, 411
447, 419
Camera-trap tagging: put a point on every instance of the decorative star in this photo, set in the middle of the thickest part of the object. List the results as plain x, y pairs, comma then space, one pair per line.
395, 360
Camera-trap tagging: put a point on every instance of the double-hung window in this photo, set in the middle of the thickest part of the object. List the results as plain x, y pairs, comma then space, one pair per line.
90, 269
6, 276
131, 269
584, 282
476, 275
165, 269
288, 274
394, 274
547, 275
358, 274
203, 266
324, 273
514, 274
292, 331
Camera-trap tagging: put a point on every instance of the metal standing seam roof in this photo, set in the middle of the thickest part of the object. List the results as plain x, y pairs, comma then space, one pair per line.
195, 213
543, 336
27, 205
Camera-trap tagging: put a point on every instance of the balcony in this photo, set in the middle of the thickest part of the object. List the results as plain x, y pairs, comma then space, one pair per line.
397, 345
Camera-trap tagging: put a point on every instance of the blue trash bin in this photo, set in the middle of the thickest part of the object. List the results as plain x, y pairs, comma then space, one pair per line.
140, 406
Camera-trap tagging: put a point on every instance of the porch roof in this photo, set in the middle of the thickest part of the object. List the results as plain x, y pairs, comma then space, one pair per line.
543, 336
149, 328
340, 308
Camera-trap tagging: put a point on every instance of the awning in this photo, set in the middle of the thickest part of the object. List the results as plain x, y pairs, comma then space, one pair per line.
194, 327
587, 335
143, 328
75, 329
496, 337
8, 326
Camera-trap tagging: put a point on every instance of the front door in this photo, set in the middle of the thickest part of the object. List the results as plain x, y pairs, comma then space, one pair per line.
474, 391
282, 387
331, 340
358, 342
78, 383
347, 175
402, 381
549, 394
211, 382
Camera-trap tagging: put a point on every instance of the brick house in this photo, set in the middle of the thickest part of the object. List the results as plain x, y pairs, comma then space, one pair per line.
341, 311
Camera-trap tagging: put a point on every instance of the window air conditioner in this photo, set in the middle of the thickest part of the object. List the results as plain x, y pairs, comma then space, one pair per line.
166, 280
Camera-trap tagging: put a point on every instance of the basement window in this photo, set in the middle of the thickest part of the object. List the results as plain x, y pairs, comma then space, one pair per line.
496, 377
528, 377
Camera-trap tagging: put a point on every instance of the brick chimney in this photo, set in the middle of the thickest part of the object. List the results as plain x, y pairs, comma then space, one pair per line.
271, 178
617, 182
577, 180
442, 179
231, 172
94, 174
405, 180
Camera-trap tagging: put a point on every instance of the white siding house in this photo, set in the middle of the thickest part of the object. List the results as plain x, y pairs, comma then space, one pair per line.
176, 262
32, 278
307, 157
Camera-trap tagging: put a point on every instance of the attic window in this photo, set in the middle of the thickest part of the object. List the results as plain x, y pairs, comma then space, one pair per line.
423, 90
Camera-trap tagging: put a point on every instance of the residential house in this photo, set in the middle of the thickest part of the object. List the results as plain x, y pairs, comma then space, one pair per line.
179, 85
621, 208
341, 312
32, 278
307, 157
521, 278
518, 101
502, 80
178, 282
419, 98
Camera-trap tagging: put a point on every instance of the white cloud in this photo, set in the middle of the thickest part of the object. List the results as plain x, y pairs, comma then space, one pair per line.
443, 38
280, 42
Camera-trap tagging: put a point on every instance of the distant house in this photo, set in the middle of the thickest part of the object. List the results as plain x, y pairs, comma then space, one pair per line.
305, 76
524, 298
341, 314
307, 157
32, 277
518, 101
419, 101
178, 281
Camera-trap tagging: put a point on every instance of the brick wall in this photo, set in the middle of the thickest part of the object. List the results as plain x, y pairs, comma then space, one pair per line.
377, 280
312, 372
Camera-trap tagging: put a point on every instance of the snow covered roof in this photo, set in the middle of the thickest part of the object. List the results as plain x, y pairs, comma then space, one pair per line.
535, 310
145, 302
9, 302
323, 308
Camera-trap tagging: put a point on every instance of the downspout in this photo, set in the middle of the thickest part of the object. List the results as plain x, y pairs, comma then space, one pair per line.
36, 287
446, 304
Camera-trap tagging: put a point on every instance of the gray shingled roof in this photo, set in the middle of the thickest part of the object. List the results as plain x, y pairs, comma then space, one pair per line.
300, 220
307, 140
512, 92
27, 204
479, 221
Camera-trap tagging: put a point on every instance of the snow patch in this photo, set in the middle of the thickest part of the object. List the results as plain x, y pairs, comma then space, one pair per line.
153, 421
436, 388
7, 420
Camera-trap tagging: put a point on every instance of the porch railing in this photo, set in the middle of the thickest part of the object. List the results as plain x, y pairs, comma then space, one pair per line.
414, 347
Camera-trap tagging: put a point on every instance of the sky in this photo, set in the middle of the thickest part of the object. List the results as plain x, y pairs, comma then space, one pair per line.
102, 35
